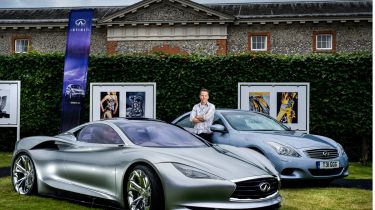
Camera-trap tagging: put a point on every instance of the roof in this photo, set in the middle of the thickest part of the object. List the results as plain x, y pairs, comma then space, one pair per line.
296, 9
256, 9
116, 3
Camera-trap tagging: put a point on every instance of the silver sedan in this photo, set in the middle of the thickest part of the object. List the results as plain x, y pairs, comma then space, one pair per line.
295, 155
142, 164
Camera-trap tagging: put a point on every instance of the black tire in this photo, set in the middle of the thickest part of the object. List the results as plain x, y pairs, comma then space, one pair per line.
152, 195
24, 177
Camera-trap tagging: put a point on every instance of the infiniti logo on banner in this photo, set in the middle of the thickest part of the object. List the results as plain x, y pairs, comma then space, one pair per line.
80, 22
265, 186
80, 25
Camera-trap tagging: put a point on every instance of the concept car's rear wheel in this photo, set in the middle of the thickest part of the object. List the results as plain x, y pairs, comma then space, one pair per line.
23, 175
143, 190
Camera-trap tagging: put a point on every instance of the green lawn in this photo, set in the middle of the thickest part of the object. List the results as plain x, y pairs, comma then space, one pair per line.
305, 198
326, 198
358, 171
5, 159
11, 200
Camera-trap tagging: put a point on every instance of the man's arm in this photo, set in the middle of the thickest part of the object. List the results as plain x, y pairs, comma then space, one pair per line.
194, 117
210, 114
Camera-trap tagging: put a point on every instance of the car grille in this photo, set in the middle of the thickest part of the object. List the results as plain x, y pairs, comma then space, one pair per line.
251, 189
326, 172
322, 153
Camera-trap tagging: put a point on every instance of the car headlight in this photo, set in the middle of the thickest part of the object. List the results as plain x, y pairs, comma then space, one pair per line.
284, 150
342, 151
194, 173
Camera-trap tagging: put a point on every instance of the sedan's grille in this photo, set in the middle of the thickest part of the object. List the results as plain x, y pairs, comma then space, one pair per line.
255, 188
322, 153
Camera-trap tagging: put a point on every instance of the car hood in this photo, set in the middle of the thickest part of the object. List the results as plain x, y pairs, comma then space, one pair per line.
218, 160
292, 138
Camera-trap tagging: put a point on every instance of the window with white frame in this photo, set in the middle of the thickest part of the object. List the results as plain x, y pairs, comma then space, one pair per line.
21, 45
258, 42
324, 41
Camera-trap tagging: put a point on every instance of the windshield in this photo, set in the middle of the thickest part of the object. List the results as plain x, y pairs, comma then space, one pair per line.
248, 121
158, 134
76, 86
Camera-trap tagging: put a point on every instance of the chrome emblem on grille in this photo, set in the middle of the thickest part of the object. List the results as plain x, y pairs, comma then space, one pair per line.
325, 154
265, 186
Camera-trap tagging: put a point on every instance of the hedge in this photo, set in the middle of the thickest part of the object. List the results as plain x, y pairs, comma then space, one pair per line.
340, 87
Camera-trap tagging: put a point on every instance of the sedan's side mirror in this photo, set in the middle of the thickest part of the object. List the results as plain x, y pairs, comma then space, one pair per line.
218, 128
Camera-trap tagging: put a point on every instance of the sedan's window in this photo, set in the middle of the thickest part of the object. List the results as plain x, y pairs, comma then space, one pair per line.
157, 134
217, 120
248, 121
99, 134
185, 122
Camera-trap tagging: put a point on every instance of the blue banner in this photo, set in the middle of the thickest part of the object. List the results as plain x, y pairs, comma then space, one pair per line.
75, 67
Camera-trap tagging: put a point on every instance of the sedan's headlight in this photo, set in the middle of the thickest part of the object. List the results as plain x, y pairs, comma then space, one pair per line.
284, 150
342, 151
194, 173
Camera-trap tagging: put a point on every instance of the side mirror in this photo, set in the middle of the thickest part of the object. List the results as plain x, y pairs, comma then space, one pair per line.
67, 136
218, 128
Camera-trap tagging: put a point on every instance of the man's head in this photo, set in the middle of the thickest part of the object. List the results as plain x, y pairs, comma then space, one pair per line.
203, 96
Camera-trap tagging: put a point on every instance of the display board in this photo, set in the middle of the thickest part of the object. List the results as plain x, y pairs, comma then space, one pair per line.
110, 100
286, 102
10, 99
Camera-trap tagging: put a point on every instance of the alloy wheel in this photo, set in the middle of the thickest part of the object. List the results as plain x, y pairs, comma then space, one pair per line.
139, 190
23, 175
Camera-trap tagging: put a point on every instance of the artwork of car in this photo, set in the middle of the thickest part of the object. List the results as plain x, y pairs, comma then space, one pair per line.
295, 155
145, 164
74, 91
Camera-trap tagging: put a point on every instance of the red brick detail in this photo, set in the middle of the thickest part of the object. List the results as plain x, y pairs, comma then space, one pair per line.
333, 33
222, 47
166, 48
111, 47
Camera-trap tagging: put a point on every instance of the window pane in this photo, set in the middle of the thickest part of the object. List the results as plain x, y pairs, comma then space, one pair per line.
258, 42
324, 41
21, 45
254, 45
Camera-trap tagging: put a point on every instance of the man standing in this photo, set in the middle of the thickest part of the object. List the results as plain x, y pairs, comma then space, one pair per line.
202, 115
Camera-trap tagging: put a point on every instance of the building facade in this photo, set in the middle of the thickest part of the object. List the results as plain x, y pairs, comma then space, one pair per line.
183, 26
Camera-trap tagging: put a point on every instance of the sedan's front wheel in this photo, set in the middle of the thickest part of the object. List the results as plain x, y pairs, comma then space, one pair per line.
143, 190
24, 175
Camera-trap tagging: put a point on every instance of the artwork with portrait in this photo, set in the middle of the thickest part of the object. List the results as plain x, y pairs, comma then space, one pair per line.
135, 104
109, 104
287, 103
259, 102
4, 103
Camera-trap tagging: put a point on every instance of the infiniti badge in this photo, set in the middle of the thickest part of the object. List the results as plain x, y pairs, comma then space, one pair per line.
325, 154
265, 186
80, 22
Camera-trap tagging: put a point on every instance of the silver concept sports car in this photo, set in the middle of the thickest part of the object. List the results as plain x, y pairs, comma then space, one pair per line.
143, 164
295, 155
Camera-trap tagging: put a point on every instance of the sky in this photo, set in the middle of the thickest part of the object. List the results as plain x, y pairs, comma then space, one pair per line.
102, 3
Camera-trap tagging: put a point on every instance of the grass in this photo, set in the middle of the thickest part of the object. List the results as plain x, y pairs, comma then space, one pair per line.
5, 159
311, 198
326, 198
12, 200
293, 199
358, 171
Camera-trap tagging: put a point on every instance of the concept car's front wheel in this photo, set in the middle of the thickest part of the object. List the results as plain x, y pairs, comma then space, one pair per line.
24, 175
143, 190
